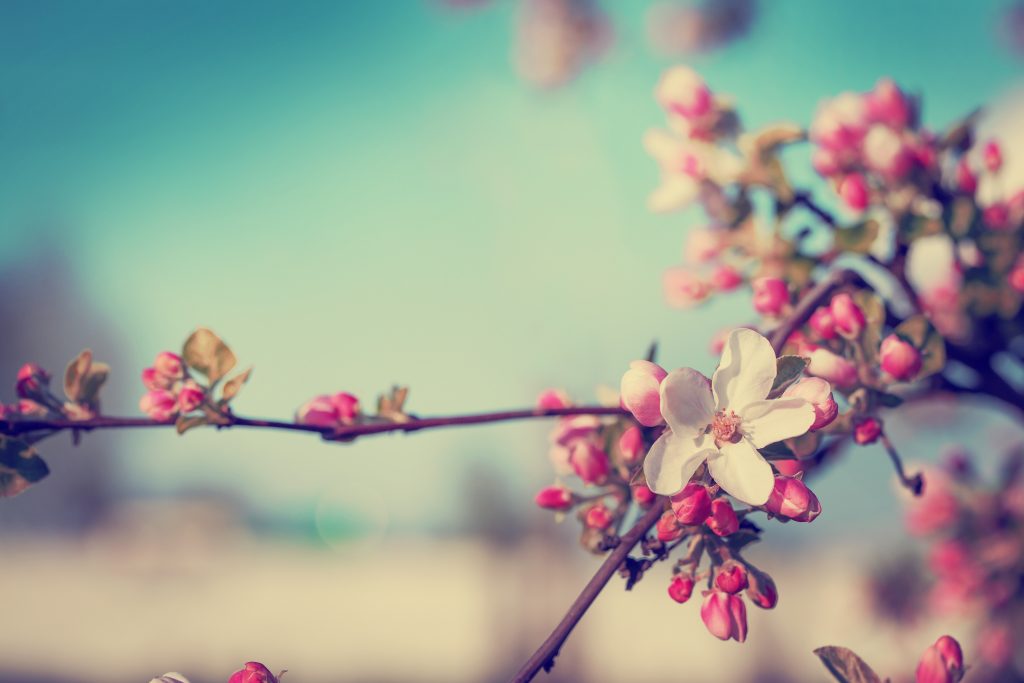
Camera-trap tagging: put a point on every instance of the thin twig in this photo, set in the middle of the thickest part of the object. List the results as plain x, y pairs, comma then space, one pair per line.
915, 482
805, 200
544, 657
13, 427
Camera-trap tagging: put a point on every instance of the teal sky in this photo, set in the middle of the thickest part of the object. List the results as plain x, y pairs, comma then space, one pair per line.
356, 193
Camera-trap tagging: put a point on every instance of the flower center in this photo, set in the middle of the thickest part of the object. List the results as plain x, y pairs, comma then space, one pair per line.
726, 427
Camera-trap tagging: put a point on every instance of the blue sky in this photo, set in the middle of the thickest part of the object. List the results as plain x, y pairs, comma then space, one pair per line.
354, 194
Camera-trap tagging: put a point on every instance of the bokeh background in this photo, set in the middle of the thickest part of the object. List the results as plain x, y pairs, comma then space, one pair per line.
444, 195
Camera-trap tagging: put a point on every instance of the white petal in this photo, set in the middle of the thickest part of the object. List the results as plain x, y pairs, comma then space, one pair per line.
742, 472
746, 371
686, 402
675, 192
672, 460
666, 148
766, 422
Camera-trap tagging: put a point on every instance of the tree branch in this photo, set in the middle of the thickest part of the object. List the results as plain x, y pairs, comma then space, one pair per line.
809, 303
14, 427
544, 657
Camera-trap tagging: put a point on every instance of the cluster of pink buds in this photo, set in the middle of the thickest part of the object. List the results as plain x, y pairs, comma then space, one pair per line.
976, 556
83, 380
32, 387
170, 389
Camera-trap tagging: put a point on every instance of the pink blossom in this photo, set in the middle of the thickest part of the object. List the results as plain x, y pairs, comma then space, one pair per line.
725, 616
631, 445
684, 289
553, 399
682, 91
569, 430
598, 517
160, 405
992, 156
731, 577
190, 397
848, 317
790, 468
643, 495
692, 505
554, 498
793, 500
886, 153
826, 162
822, 322
996, 215
966, 180
318, 412
867, 431
31, 379
29, 408
771, 295
640, 391
888, 105
840, 123
153, 380
346, 405
681, 588
839, 371
762, 591
723, 520
589, 462
943, 662
853, 190
818, 393
725, 278
899, 359
169, 365
668, 528
703, 245
253, 672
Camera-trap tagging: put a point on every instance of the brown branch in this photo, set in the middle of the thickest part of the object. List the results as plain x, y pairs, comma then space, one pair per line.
544, 657
913, 483
809, 303
13, 427
804, 199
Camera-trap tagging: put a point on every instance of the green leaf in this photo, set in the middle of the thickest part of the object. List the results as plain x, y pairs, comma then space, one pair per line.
204, 352
76, 371
846, 666
925, 338
788, 369
20, 466
187, 422
234, 385
857, 238
777, 451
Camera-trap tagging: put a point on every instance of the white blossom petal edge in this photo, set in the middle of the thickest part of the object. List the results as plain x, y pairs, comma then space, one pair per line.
724, 421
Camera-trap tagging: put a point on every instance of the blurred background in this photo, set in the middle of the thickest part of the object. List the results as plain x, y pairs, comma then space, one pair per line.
449, 195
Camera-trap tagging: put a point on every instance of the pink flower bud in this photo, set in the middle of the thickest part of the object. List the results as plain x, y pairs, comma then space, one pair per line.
668, 528
886, 153
822, 322
253, 672
771, 295
836, 369
569, 430
319, 411
731, 577
792, 499
160, 405
643, 495
190, 397
682, 91
722, 520
790, 468
854, 192
826, 162
840, 123
153, 380
169, 365
598, 517
899, 359
725, 616
943, 662
867, 431
29, 408
554, 498
846, 314
887, 104
692, 505
589, 462
996, 216
1016, 278
683, 289
725, 278
992, 156
703, 245
553, 399
966, 180
346, 406
818, 393
935, 509
681, 588
641, 391
762, 591
31, 380
631, 445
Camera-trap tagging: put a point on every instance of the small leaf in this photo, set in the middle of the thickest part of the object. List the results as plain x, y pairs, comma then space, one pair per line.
20, 466
857, 238
92, 383
206, 353
788, 370
846, 666
187, 422
77, 369
874, 317
392, 406
234, 385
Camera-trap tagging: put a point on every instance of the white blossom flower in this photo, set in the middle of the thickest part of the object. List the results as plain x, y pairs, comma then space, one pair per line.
724, 421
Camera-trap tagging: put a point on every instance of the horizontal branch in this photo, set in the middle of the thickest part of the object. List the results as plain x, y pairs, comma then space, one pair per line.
14, 427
